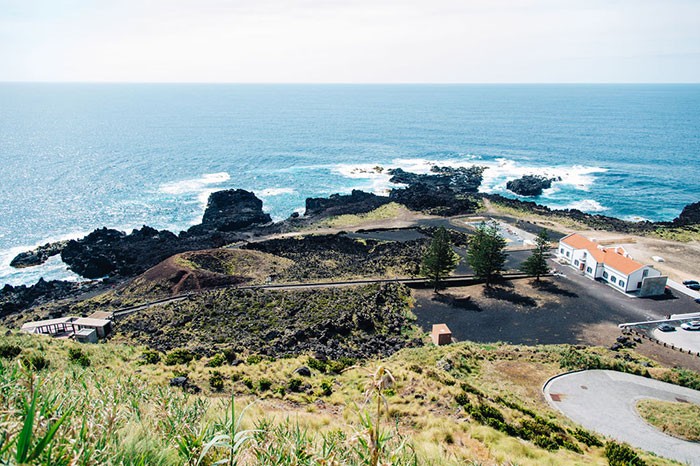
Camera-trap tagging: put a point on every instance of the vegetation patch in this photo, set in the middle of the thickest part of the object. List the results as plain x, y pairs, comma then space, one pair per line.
338, 323
680, 420
334, 257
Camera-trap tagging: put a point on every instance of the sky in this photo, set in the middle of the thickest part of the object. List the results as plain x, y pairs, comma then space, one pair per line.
350, 41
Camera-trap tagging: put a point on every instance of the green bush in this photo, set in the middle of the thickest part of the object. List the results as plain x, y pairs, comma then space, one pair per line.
77, 356
217, 360
264, 384
247, 382
150, 357
230, 355
326, 387
254, 359
216, 381
317, 364
545, 442
178, 356
9, 351
294, 385
619, 454
35, 361
586, 438
462, 399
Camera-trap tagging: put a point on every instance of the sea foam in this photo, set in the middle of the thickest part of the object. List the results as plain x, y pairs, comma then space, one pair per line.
194, 185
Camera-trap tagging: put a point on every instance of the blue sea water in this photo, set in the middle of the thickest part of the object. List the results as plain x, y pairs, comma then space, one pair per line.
74, 157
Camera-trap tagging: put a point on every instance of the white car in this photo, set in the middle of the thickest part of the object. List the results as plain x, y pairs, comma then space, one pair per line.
692, 325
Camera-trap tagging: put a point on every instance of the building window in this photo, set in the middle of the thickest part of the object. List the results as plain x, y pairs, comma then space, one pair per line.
585, 254
567, 253
589, 270
645, 273
622, 284
561, 250
613, 279
639, 284
605, 274
576, 262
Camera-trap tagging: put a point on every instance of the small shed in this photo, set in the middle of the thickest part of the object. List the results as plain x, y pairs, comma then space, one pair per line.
103, 327
441, 335
86, 335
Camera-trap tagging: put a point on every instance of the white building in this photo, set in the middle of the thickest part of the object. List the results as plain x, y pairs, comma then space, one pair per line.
612, 265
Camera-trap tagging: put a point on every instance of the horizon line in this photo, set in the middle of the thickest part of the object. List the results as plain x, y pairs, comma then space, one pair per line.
363, 83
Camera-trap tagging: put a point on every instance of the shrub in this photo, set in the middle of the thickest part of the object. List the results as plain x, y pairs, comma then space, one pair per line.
462, 399
247, 382
216, 381
416, 368
619, 454
545, 442
471, 389
264, 384
35, 361
216, 361
294, 385
150, 357
326, 387
317, 364
178, 356
9, 351
254, 359
77, 356
586, 438
230, 355
336, 367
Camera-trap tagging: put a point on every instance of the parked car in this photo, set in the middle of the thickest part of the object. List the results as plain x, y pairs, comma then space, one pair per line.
666, 328
691, 282
694, 286
692, 325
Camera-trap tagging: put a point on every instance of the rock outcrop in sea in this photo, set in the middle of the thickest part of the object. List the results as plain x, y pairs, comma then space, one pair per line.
530, 185
38, 255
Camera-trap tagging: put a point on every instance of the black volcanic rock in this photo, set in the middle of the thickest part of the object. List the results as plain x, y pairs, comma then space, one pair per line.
110, 252
17, 298
37, 256
357, 202
233, 209
445, 192
530, 185
689, 216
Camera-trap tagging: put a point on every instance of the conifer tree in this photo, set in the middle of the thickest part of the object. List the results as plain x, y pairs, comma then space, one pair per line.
439, 259
486, 253
536, 264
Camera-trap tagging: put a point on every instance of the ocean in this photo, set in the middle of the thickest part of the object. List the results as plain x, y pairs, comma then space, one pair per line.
75, 157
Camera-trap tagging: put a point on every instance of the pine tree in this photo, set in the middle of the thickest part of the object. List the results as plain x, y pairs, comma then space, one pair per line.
536, 264
486, 253
439, 259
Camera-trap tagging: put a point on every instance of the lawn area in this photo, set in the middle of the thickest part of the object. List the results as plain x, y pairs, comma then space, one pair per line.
681, 420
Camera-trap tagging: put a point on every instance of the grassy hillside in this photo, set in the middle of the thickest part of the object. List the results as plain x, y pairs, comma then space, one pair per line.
462, 404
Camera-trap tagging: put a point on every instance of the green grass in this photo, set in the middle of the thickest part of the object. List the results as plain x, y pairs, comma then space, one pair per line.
681, 420
385, 212
120, 409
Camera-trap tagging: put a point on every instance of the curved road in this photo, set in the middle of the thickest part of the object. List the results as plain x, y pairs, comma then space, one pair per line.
604, 401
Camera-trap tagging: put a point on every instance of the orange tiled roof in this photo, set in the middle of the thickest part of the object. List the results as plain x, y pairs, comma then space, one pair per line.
579, 242
608, 256
619, 262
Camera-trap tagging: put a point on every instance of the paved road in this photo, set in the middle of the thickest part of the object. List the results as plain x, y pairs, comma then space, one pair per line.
604, 401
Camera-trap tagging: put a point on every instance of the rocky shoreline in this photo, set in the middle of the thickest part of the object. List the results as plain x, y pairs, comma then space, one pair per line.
236, 215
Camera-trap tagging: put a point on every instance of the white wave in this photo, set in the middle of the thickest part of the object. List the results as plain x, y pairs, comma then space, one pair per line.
497, 174
53, 269
587, 205
194, 185
277, 191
